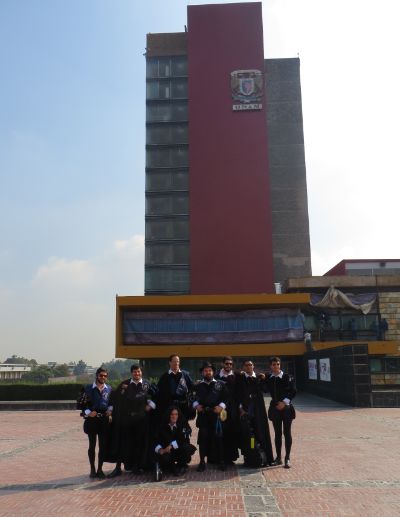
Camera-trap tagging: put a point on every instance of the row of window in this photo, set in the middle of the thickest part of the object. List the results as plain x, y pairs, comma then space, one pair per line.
165, 134
167, 89
178, 204
167, 111
170, 66
176, 253
166, 180
167, 229
167, 157
167, 280
343, 322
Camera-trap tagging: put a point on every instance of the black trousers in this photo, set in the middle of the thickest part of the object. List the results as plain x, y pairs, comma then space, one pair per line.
96, 428
210, 445
282, 421
180, 456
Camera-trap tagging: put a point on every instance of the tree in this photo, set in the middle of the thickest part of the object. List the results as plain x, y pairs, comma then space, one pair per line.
61, 370
118, 369
14, 359
40, 374
80, 368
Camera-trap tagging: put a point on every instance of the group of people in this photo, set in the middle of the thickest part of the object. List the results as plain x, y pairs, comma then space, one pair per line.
141, 425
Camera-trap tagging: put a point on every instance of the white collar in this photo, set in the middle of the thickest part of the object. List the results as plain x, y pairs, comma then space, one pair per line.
208, 382
252, 375
222, 373
136, 382
94, 385
280, 375
170, 371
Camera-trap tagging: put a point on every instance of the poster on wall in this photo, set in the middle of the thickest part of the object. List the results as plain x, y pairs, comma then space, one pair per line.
325, 370
312, 369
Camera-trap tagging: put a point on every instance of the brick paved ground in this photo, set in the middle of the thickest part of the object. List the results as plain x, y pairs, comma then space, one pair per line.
346, 462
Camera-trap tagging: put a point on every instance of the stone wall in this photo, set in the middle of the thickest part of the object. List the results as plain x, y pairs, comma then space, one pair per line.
389, 307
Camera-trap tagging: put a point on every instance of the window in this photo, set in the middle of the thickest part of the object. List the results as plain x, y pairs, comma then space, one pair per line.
165, 229
167, 89
159, 181
167, 157
163, 279
167, 134
167, 205
174, 66
162, 112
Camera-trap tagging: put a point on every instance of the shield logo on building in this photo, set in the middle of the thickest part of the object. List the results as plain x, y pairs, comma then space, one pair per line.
247, 89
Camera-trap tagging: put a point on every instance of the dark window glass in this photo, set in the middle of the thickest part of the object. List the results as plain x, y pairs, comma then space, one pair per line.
168, 205
152, 67
167, 279
167, 229
167, 134
392, 365
164, 67
166, 180
179, 89
167, 254
376, 365
179, 66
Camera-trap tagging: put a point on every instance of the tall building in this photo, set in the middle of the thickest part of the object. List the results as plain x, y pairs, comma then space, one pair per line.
226, 194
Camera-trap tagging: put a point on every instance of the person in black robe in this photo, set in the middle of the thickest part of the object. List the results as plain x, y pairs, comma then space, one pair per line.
231, 427
173, 389
281, 411
95, 409
210, 400
253, 414
173, 449
131, 403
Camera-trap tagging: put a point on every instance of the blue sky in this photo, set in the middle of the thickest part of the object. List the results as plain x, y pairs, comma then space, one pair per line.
72, 120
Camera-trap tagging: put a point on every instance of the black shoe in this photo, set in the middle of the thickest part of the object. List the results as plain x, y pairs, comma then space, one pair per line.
222, 466
92, 473
116, 472
201, 467
139, 471
100, 475
277, 461
287, 464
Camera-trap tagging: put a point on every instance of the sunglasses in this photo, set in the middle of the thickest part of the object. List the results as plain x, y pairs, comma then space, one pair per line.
102, 375
228, 363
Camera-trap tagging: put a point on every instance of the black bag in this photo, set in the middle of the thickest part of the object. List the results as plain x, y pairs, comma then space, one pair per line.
255, 457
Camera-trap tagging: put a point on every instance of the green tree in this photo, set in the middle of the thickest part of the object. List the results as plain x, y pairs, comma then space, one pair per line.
61, 370
40, 374
14, 359
80, 368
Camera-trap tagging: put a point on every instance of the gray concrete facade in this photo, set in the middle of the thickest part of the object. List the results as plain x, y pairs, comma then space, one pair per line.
287, 170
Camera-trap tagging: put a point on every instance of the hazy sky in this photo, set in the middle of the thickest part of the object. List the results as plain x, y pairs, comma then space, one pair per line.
72, 120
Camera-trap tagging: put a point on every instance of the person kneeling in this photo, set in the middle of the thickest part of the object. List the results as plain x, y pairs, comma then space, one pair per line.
173, 450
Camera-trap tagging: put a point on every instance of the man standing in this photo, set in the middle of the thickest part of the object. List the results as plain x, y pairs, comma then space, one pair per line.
210, 401
281, 411
173, 388
232, 424
130, 434
254, 420
96, 412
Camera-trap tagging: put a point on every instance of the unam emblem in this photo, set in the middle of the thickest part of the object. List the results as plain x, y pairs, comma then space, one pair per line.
247, 86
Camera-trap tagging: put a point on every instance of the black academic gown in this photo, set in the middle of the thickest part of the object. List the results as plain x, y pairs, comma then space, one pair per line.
250, 396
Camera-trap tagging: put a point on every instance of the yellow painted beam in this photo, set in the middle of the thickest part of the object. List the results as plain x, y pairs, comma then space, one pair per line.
243, 350
182, 301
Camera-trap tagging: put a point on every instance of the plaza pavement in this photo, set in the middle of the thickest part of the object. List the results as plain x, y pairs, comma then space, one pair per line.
346, 462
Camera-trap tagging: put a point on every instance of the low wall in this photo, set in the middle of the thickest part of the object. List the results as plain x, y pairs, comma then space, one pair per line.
350, 380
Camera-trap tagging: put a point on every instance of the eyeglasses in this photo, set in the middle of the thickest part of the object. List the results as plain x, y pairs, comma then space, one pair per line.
249, 364
102, 375
228, 363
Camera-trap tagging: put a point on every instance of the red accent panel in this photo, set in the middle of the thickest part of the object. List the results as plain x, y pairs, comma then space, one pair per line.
230, 214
